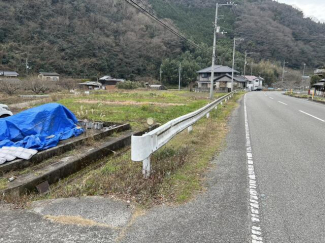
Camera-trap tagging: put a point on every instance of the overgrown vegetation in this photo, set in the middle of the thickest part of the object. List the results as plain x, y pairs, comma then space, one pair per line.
177, 169
135, 107
129, 85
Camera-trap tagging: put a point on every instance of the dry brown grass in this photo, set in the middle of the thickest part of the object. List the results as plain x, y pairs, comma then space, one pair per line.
177, 169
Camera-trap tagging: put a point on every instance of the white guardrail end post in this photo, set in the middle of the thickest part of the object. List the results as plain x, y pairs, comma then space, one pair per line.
146, 167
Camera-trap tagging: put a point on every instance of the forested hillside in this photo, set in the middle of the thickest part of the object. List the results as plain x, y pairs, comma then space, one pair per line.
273, 31
87, 38
82, 38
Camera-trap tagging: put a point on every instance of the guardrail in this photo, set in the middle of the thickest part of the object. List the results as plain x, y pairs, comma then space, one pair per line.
143, 146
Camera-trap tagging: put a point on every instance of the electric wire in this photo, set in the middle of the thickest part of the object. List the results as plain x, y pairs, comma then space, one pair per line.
146, 12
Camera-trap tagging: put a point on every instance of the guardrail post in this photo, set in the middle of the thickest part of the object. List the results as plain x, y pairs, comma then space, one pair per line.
146, 168
208, 115
190, 129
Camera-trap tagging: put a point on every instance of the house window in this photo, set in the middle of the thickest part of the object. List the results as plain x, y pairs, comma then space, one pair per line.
205, 75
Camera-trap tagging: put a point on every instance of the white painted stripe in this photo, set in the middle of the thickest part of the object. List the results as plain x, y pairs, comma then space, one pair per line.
256, 232
312, 116
271, 98
282, 103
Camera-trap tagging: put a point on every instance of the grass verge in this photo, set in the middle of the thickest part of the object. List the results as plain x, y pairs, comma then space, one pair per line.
305, 96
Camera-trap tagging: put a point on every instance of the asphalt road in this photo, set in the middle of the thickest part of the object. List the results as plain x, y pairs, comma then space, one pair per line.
287, 136
286, 149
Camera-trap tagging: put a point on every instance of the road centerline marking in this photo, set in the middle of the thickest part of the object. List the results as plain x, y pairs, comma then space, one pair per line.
312, 116
282, 103
256, 232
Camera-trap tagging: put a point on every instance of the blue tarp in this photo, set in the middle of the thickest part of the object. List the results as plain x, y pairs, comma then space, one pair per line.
39, 128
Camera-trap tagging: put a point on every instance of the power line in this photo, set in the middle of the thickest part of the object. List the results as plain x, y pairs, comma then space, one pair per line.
146, 12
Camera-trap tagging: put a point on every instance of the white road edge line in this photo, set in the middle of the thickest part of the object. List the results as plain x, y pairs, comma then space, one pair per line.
282, 103
256, 232
312, 116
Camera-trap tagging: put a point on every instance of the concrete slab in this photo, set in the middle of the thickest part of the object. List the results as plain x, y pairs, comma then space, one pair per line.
36, 225
103, 211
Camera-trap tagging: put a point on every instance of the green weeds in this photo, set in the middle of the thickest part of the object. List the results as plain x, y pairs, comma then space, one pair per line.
177, 169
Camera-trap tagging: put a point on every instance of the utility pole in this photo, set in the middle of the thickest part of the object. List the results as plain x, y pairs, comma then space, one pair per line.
233, 63
216, 30
160, 74
302, 78
214, 50
283, 71
245, 63
179, 76
251, 69
27, 66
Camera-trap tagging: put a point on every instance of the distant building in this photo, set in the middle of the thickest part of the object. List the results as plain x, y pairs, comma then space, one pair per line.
319, 87
254, 83
8, 74
49, 76
223, 82
320, 72
109, 82
204, 78
90, 85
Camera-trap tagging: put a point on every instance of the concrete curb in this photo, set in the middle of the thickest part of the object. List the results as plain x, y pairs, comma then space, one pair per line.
65, 146
64, 168
53, 173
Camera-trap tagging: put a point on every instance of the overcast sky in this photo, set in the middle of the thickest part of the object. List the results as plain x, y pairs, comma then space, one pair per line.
311, 8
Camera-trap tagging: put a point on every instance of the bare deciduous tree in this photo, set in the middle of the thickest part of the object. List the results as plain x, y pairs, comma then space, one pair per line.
36, 85
67, 83
9, 87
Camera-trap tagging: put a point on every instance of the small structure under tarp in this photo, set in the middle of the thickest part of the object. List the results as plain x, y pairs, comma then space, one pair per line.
39, 128
157, 87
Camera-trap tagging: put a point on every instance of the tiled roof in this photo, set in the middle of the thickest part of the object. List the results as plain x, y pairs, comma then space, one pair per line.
218, 69
9, 73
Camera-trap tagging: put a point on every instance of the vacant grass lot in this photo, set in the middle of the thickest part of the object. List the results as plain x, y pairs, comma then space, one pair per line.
177, 169
135, 107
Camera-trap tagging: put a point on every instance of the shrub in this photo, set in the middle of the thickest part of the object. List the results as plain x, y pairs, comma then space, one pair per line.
128, 85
